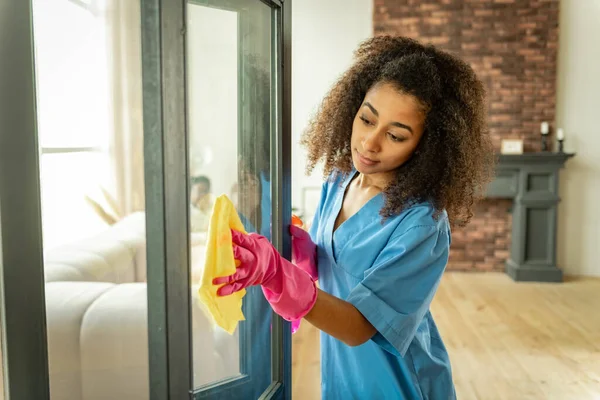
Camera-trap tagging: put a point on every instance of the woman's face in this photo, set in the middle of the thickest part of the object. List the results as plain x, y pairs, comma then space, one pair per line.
386, 130
198, 191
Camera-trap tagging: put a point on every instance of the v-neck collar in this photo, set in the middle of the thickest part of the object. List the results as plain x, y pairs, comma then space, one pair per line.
337, 208
339, 202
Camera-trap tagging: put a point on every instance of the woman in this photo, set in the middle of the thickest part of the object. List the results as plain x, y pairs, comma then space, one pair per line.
403, 140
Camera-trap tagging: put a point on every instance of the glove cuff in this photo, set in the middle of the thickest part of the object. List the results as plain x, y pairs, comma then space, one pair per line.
292, 293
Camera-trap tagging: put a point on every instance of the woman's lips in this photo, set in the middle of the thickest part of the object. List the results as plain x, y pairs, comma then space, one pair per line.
365, 160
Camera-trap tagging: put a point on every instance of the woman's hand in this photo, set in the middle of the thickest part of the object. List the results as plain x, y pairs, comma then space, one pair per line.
290, 290
258, 263
304, 251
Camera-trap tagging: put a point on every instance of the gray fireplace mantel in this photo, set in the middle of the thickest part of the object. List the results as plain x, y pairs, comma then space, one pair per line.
531, 180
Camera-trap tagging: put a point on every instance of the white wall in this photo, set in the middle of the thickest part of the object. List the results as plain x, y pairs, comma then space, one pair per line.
325, 34
578, 110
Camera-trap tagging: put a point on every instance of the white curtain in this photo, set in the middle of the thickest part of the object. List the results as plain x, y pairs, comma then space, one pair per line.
125, 71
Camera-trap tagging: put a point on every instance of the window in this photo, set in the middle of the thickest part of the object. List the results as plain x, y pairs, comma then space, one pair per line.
73, 97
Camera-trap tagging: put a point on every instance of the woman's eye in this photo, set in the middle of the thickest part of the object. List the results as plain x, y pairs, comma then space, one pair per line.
366, 121
396, 138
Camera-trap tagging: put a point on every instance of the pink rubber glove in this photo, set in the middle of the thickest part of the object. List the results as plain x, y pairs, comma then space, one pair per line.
290, 290
304, 251
304, 256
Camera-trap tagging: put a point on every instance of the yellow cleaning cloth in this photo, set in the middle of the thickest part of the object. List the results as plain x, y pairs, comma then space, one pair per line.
225, 311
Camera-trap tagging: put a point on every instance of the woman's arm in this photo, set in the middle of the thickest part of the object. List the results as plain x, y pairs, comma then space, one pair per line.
340, 319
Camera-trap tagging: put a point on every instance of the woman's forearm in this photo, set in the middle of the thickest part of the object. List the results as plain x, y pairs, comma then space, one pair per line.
340, 319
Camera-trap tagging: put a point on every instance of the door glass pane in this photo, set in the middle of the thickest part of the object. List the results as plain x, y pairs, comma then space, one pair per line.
213, 125
89, 94
229, 117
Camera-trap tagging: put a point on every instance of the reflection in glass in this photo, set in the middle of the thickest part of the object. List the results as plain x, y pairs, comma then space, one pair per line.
229, 119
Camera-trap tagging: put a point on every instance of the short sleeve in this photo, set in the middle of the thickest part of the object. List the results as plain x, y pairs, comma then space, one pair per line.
396, 292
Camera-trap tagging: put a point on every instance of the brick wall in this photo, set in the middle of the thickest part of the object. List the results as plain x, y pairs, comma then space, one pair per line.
512, 45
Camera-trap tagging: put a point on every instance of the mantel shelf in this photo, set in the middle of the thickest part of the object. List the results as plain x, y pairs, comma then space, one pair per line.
534, 158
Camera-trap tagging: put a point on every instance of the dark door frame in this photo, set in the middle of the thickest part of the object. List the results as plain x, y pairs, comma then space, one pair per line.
166, 166
23, 308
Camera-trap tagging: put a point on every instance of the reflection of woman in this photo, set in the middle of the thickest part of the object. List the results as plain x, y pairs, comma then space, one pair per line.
253, 203
254, 209
254, 147
403, 139
201, 202
200, 193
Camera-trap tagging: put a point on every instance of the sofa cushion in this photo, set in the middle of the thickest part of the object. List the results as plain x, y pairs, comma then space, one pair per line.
131, 231
114, 346
116, 255
58, 272
102, 259
66, 305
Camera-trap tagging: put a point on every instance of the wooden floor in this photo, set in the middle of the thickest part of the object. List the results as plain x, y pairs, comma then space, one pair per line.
506, 340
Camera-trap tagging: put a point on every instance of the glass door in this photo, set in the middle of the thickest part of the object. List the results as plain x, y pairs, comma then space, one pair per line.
216, 121
111, 297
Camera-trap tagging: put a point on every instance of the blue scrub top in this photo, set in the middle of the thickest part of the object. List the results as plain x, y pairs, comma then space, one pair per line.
389, 270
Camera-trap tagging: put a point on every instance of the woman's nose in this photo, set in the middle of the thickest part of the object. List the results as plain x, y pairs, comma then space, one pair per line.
370, 142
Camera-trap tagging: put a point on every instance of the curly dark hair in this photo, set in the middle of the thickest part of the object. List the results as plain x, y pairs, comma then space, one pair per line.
454, 159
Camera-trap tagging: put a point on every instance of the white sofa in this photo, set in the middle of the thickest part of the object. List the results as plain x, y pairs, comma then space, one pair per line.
96, 308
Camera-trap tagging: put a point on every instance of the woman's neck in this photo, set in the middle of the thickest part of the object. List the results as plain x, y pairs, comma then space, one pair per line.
374, 181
